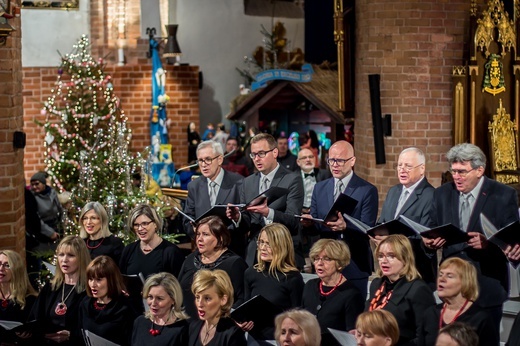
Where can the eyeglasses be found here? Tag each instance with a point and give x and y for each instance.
(338, 162)
(323, 259)
(260, 154)
(88, 219)
(461, 172)
(406, 168)
(260, 244)
(142, 224)
(207, 160)
(310, 157)
(5, 265)
(389, 256)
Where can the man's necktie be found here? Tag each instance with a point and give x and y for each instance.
(212, 193)
(339, 189)
(402, 201)
(465, 211)
(264, 186)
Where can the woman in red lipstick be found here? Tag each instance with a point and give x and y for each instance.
(399, 288)
(93, 228)
(458, 289)
(106, 312)
(275, 276)
(332, 298)
(165, 323)
(56, 308)
(212, 238)
(213, 298)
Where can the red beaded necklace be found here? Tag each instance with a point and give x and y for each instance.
(95, 246)
(325, 294)
(461, 310)
(99, 306)
(377, 297)
(5, 300)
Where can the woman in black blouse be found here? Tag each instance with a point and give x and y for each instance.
(334, 300)
(106, 312)
(150, 254)
(17, 294)
(212, 239)
(165, 323)
(458, 289)
(399, 288)
(94, 229)
(56, 308)
(214, 297)
(275, 276)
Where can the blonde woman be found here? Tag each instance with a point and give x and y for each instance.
(57, 305)
(17, 294)
(165, 323)
(297, 328)
(214, 297)
(377, 328)
(399, 288)
(275, 276)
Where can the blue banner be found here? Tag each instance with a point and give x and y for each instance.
(280, 74)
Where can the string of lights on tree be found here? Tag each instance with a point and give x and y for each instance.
(87, 141)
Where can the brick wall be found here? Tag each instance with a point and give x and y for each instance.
(413, 46)
(132, 84)
(12, 224)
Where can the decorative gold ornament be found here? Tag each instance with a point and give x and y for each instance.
(493, 82)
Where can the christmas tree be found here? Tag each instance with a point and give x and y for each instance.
(87, 141)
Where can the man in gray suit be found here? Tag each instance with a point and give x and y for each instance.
(413, 197)
(215, 186)
(264, 152)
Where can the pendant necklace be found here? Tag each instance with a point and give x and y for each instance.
(208, 330)
(61, 307)
(155, 332)
(5, 300)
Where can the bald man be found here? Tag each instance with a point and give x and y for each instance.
(341, 161)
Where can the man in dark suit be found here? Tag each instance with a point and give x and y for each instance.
(285, 158)
(461, 203)
(412, 198)
(215, 186)
(264, 153)
(341, 160)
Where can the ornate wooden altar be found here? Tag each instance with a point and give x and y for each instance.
(492, 73)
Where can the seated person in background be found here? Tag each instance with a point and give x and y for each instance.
(146, 181)
(285, 158)
(457, 334)
(458, 289)
(49, 207)
(106, 311)
(165, 323)
(18, 296)
(297, 328)
(377, 328)
(399, 288)
(236, 162)
(214, 297)
(94, 230)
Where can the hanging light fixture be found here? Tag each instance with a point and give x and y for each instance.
(172, 51)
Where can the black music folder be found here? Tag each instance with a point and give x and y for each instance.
(259, 310)
(217, 210)
(344, 204)
(504, 237)
(271, 194)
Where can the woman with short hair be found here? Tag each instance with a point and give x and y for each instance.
(332, 298)
(214, 297)
(106, 311)
(93, 228)
(399, 288)
(298, 328)
(212, 239)
(457, 288)
(377, 328)
(165, 323)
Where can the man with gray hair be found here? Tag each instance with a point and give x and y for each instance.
(412, 198)
(460, 203)
(215, 186)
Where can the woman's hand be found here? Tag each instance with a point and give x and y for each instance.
(246, 326)
(59, 337)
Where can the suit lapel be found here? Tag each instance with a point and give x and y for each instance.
(479, 206)
(205, 192)
(453, 209)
